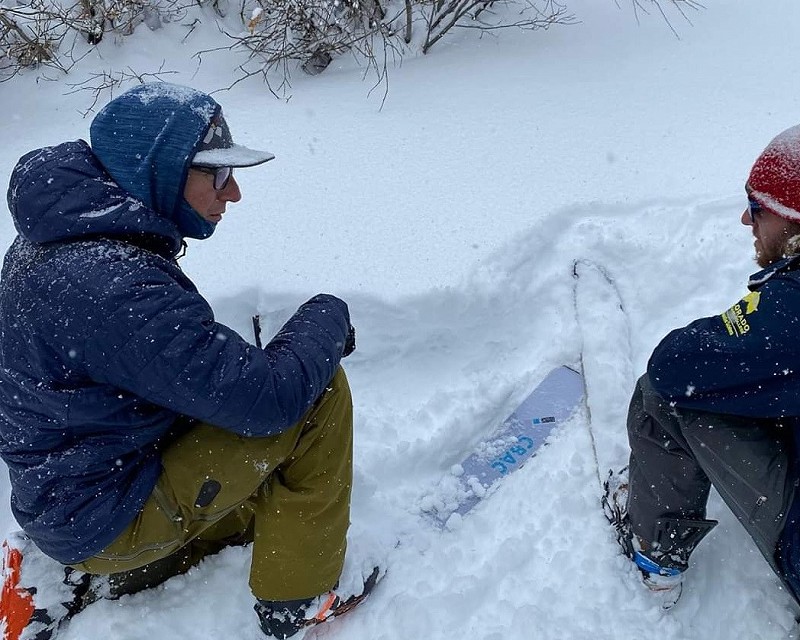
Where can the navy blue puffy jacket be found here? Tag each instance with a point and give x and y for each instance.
(105, 343)
(744, 361)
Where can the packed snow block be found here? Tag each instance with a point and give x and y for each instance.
(606, 362)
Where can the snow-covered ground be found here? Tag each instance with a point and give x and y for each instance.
(449, 220)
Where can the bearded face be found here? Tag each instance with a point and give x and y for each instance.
(775, 238)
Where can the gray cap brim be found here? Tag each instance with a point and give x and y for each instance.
(234, 156)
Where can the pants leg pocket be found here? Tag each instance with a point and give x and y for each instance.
(156, 532)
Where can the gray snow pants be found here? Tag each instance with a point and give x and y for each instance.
(676, 455)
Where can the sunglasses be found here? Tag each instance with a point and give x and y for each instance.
(222, 175)
(754, 209)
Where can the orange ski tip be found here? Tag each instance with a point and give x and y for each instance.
(16, 602)
(324, 610)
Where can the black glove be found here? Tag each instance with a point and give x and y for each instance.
(349, 342)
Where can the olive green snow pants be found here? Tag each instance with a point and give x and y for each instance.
(287, 494)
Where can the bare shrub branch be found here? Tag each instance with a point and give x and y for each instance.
(104, 84)
(44, 33)
(447, 14)
(680, 5)
(285, 34)
(276, 36)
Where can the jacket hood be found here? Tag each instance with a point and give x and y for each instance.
(146, 138)
(64, 193)
(790, 263)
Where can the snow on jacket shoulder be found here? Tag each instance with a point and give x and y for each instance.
(743, 361)
(105, 343)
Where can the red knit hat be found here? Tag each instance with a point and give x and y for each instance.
(775, 177)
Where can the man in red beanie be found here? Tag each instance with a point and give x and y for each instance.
(774, 188)
(720, 404)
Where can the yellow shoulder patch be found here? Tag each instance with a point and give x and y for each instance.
(751, 301)
(734, 318)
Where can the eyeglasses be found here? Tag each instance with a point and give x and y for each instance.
(754, 209)
(222, 175)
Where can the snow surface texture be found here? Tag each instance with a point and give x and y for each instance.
(449, 221)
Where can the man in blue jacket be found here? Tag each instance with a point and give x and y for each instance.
(139, 433)
(720, 405)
